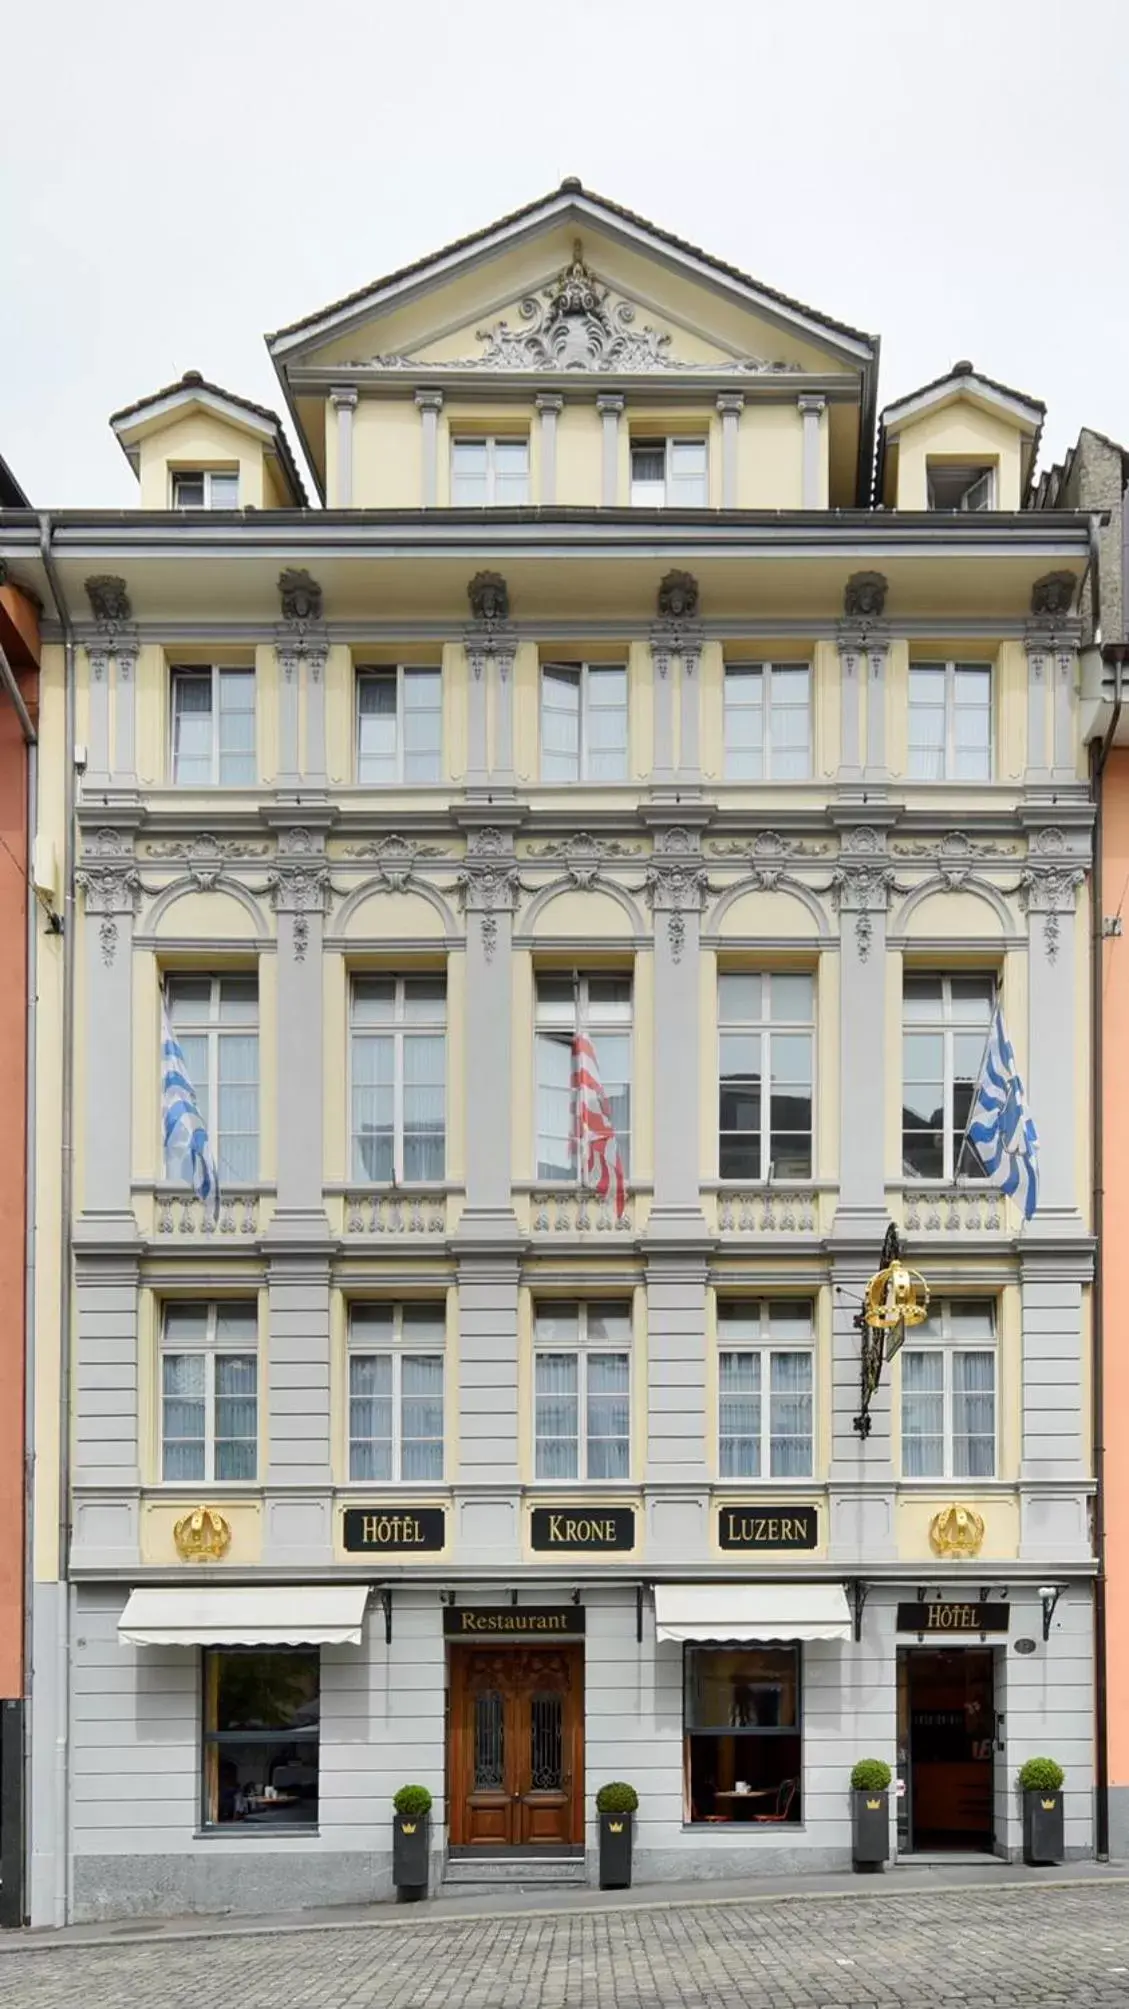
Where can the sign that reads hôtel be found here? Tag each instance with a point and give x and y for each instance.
(587, 1530)
(767, 1527)
(394, 1530)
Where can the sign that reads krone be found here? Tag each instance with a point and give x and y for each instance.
(587, 1530)
(952, 1619)
(767, 1527)
(394, 1530)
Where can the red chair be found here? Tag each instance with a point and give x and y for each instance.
(785, 1795)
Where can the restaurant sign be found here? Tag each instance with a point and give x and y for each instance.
(588, 1530)
(394, 1530)
(767, 1527)
(949, 1619)
(511, 1621)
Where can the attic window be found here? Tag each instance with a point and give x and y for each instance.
(961, 485)
(203, 488)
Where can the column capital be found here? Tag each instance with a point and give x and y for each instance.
(343, 397)
(610, 403)
(429, 401)
(731, 403)
(549, 401)
(811, 403)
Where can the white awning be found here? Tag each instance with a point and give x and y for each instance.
(728, 1613)
(246, 1615)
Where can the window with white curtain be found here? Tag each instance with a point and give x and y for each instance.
(950, 722)
(583, 722)
(209, 1391)
(491, 472)
(669, 473)
(948, 1387)
(205, 488)
(582, 1390)
(600, 1008)
(765, 1047)
(398, 1057)
(213, 727)
(767, 721)
(216, 1021)
(945, 1024)
(766, 1379)
(396, 1365)
(399, 725)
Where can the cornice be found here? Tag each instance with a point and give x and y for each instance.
(358, 633)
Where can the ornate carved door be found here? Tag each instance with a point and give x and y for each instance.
(517, 1758)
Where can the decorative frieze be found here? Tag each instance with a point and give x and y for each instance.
(1052, 891)
(110, 889)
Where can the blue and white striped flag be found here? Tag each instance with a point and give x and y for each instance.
(188, 1152)
(1004, 1134)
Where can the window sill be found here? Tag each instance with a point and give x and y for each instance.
(238, 1831)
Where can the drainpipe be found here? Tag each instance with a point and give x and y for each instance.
(8, 678)
(30, 1155)
(61, 1794)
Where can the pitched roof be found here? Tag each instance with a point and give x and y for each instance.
(572, 186)
(967, 372)
(192, 384)
(11, 494)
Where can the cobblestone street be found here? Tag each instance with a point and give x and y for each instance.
(997, 1949)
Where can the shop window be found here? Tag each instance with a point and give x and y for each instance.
(261, 1713)
(743, 1751)
(767, 721)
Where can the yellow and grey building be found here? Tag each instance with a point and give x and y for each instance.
(631, 675)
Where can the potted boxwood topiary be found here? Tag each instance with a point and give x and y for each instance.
(1040, 1781)
(411, 1841)
(616, 1805)
(870, 1813)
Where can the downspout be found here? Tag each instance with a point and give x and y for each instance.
(66, 1286)
(8, 678)
(30, 1156)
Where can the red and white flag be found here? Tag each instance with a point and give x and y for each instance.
(594, 1139)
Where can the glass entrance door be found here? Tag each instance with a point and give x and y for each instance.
(947, 1732)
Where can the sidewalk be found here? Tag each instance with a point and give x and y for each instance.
(901, 1881)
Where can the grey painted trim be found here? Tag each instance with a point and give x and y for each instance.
(730, 404)
(877, 656)
(662, 684)
(204, 945)
(1038, 684)
(289, 669)
(125, 710)
(430, 404)
(852, 659)
(358, 632)
(821, 944)
(811, 411)
(549, 404)
(610, 409)
(943, 944)
(98, 688)
(343, 398)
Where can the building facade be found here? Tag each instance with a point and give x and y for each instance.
(598, 700)
(19, 664)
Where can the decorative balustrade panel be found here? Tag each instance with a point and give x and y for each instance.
(383, 1213)
(959, 1211)
(772, 1212)
(569, 1211)
(179, 1214)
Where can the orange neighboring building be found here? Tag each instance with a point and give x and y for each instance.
(19, 679)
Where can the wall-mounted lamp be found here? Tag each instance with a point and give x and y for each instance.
(1049, 1594)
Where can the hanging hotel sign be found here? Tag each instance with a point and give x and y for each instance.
(767, 1527)
(587, 1530)
(394, 1530)
(511, 1621)
(952, 1619)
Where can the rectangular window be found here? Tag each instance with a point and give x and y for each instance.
(948, 1372)
(945, 1023)
(396, 1392)
(213, 728)
(583, 722)
(209, 1392)
(600, 1008)
(766, 1379)
(767, 721)
(669, 474)
(216, 1021)
(399, 725)
(260, 1745)
(489, 473)
(950, 722)
(399, 1079)
(766, 1039)
(743, 1755)
(582, 1383)
(959, 485)
(205, 488)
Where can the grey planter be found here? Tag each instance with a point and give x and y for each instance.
(870, 1829)
(615, 1851)
(1042, 1826)
(411, 1854)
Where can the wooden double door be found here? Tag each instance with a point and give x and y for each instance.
(517, 1746)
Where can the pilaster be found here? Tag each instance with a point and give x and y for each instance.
(97, 776)
(550, 406)
(490, 649)
(811, 412)
(610, 408)
(125, 713)
(677, 885)
(877, 655)
(730, 405)
(429, 404)
(488, 890)
(299, 887)
(1039, 651)
(1049, 887)
(302, 650)
(111, 885)
(116, 647)
(344, 402)
(852, 670)
(862, 886)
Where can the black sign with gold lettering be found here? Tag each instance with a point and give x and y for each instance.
(767, 1527)
(394, 1530)
(511, 1621)
(935, 1620)
(587, 1529)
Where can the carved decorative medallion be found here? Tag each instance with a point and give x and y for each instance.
(203, 1536)
(956, 1531)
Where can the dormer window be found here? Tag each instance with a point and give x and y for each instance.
(204, 488)
(669, 474)
(961, 485)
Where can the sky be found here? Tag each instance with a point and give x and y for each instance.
(174, 181)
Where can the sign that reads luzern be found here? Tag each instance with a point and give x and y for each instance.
(394, 1530)
(938, 1618)
(511, 1621)
(587, 1529)
(771, 1527)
